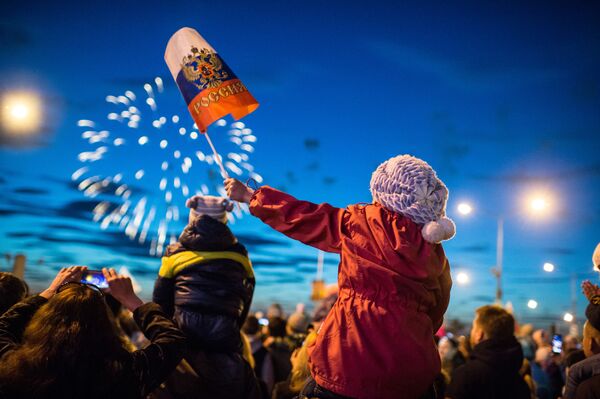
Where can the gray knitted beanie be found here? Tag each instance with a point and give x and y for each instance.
(215, 207)
(409, 186)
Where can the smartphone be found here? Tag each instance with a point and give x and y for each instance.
(263, 321)
(557, 343)
(94, 277)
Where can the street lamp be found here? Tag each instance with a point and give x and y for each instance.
(539, 202)
(568, 317)
(532, 304)
(462, 278)
(465, 208)
(548, 267)
(20, 112)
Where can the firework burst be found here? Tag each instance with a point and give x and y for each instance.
(141, 164)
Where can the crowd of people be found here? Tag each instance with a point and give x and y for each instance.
(372, 337)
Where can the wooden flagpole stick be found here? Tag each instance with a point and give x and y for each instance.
(224, 173)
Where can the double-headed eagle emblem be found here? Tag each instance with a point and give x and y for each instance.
(203, 68)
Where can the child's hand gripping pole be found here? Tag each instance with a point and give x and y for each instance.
(238, 191)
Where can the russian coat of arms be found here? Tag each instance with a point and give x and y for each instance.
(203, 68)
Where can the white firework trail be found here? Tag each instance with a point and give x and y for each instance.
(141, 164)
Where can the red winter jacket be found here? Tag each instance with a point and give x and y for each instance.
(377, 341)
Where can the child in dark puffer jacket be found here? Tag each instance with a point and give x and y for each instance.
(206, 283)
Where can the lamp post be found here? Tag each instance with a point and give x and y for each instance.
(462, 278)
(538, 204)
(466, 209)
(20, 112)
(499, 254)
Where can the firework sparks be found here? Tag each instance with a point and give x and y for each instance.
(141, 164)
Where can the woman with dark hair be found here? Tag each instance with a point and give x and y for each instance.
(12, 290)
(64, 343)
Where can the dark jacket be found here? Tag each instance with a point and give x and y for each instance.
(209, 375)
(580, 372)
(206, 283)
(491, 372)
(141, 371)
(589, 389)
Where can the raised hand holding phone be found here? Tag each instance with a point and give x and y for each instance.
(65, 275)
(95, 277)
(121, 288)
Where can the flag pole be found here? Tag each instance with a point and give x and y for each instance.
(224, 173)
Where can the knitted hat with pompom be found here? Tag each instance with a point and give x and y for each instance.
(209, 205)
(409, 186)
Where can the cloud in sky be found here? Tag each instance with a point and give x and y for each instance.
(13, 38)
(31, 191)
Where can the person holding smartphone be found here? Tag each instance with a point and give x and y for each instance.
(64, 343)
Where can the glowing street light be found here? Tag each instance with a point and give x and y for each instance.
(548, 267)
(464, 208)
(568, 317)
(462, 278)
(539, 203)
(20, 112)
(532, 304)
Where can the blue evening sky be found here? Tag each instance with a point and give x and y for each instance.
(500, 99)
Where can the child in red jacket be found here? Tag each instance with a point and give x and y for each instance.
(394, 279)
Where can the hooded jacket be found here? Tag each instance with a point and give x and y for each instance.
(377, 340)
(206, 283)
(492, 371)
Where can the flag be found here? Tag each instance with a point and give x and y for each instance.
(210, 88)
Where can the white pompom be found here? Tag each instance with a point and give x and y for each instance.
(433, 232)
(437, 231)
(449, 227)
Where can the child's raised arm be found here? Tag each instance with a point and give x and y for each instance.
(319, 226)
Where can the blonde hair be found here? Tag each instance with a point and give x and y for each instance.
(300, 371)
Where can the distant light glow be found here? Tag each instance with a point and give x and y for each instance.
(539, 203)
(21, 112)
(532, 304)
(464, 208)
(548, 267)
(568, 317)
(462, 278)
